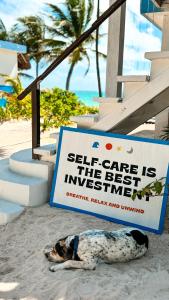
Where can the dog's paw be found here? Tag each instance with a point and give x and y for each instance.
(53, 268)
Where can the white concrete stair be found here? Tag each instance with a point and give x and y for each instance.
(132, 83)
(159, 62)
(9, 211)
(85, 121)
(21, 189)
(146, 103)
(107, 105)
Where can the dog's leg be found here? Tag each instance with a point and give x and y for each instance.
(73, 264)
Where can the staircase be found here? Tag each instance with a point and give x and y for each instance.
(24, 182)
(143, 98)
(27, 182)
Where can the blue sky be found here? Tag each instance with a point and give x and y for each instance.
(141, 36)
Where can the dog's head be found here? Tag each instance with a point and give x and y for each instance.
(60, 252)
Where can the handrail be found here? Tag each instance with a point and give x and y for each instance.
(72, 47)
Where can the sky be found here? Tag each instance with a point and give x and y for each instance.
(140, 37)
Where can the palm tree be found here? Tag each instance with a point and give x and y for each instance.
(30, 31)
(3, 31)
(69, 23)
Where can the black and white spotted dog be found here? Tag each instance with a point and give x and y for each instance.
(85, 250)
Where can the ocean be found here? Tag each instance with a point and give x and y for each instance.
(85, 96)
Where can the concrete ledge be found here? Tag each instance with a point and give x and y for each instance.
(9, 211)
(133, 78)
(157, 55)
(107, 100)
(45, 150)
(92, 118)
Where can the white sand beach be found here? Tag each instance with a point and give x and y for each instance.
(25, 275)
(24, 271)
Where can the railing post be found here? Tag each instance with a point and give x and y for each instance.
(35, 118)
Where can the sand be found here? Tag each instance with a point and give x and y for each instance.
(24, 271)
(17, 135)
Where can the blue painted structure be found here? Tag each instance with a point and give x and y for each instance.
(3, 102)
(147, 6)
(153, 13)
(6, 88)
(12, 46)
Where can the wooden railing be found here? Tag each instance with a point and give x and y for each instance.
(34, 87)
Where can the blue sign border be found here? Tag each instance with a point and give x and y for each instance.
(113, 135)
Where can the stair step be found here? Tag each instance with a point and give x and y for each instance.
(85, 121)
(157, 55)
(142, 106)
(21, 189)
(21, 162)
(9, 211)
(133, 78)
(107, 105)
(160, 62)
(48, 150)
(107, 100)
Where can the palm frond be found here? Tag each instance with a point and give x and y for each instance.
(25, 75)
(3, 31)
(59, 14)
(85, 54)
(89, 13)
(101, 54)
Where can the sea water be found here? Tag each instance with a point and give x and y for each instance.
(87, 97)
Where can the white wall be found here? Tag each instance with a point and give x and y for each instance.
(8, 64)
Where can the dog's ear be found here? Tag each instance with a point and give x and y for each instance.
(60, 248)
(70, 250)
(140, 238)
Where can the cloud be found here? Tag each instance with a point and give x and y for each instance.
(140, 36)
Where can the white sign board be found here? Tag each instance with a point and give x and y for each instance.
(97, 173)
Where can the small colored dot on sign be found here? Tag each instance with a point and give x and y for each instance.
(109, 146)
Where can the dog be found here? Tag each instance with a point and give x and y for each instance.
(86, 250)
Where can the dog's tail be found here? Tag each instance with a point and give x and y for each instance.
(140, 238)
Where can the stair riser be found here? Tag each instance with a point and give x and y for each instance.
(107, 108)
(5, 218)
(130, 88)
(158, 66)
(84, 125)
(145, 104)
(34, 170)
(29, 169)
(24, 194)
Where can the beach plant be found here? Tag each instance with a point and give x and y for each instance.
(155, 188)
(69, 22)
(165, 134)
(58, 105)
(15, 109)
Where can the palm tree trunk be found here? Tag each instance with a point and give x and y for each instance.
(37, 69)
(97, 53)
(69, 76)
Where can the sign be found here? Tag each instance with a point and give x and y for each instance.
(97, 173)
